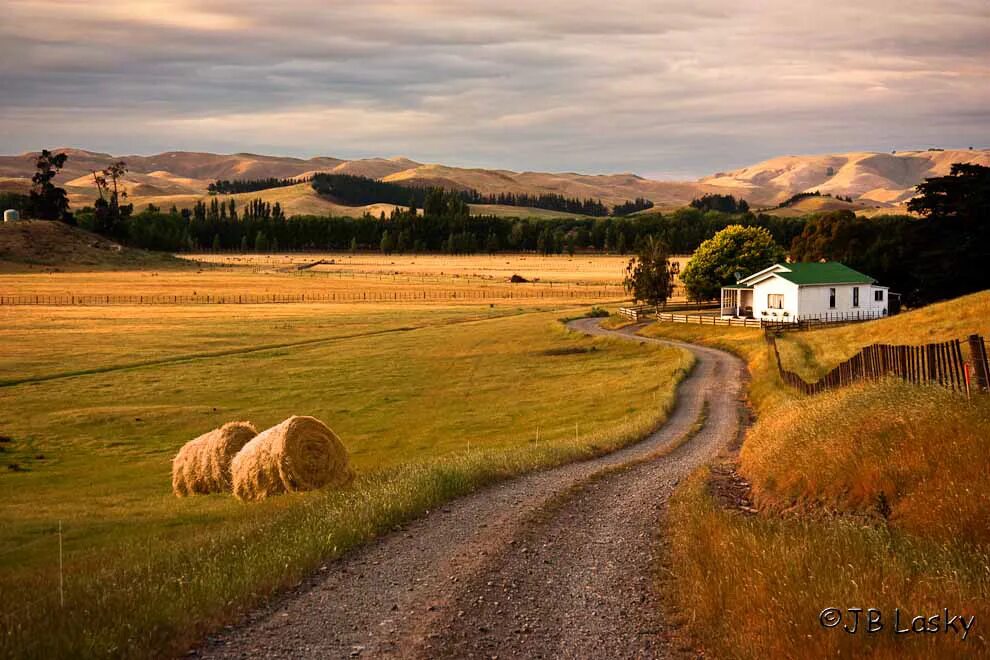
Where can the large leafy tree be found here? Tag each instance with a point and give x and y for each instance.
(732, 253)
(648, 276)
(47, 201)
(962, 196)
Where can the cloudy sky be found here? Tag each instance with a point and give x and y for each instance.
(664, 88)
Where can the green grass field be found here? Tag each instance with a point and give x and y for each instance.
(449, 399)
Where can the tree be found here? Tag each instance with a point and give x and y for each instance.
(721, 203)
(731, 254)
(649, 276)
(244, 243)
(387, 244)
(963, 196)
(620, 243)
(46, 200)
(492, 245)
(216, 242)
(260, 242)
(109, 213)
(354, 245)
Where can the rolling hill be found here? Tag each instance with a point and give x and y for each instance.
(875, 181)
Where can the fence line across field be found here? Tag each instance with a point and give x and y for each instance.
(287, 298)
(929, 364)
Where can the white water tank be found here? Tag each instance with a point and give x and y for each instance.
(11, 215)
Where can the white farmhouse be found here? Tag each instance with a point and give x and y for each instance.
(826, 291)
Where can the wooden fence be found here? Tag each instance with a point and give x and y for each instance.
(714, 319)
(285, 298)
(935, 364)
(638, 312)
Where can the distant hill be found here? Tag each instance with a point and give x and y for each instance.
(877, 179)
(43, 245)
(871, 179)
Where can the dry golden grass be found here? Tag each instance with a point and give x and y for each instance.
(813, 354)
(559, 269)
(753, 587)
(350, 278)
(921, 451)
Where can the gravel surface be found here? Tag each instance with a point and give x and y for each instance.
(556, 564)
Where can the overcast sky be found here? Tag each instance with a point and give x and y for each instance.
(667, 89)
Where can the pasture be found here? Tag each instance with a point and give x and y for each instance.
(339, 278)
(431, 400)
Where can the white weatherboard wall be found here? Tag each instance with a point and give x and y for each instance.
(775, 285)
(814, 299)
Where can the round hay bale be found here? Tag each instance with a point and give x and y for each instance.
(299, 454)
(202, 466)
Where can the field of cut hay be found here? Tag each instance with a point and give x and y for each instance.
(430, 401)
(247, 279)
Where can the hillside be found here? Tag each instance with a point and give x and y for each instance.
(887, 476)
(39, 244)
(873, 180)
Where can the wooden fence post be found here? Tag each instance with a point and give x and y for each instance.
(981, 370)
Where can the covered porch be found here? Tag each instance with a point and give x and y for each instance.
(737, 302)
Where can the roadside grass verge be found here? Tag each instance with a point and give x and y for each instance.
(917, 456)
(754, 586)
(869, 496)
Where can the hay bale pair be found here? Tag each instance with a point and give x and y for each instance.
(299, 454)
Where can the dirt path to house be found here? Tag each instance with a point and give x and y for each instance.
(555, 564)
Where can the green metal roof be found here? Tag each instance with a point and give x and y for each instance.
(830, 272)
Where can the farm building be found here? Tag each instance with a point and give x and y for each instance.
(806, 291)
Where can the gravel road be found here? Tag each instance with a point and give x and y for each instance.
(556, 564)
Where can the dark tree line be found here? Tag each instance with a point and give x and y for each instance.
(549, 201)
(720, 203)
(445, 225)
(361, 190)
(225, 187)
(628, 208)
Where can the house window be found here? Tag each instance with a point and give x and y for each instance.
(878, 295)
(831, 298)
(855, 296)
(775, 301)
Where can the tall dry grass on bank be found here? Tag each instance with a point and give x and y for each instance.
(813, 354)
(754, 586)
(918, 455)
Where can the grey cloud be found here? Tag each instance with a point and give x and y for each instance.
(635, 85)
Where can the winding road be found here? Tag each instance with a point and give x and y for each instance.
(555, 564)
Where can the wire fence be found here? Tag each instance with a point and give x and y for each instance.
(290, 298)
